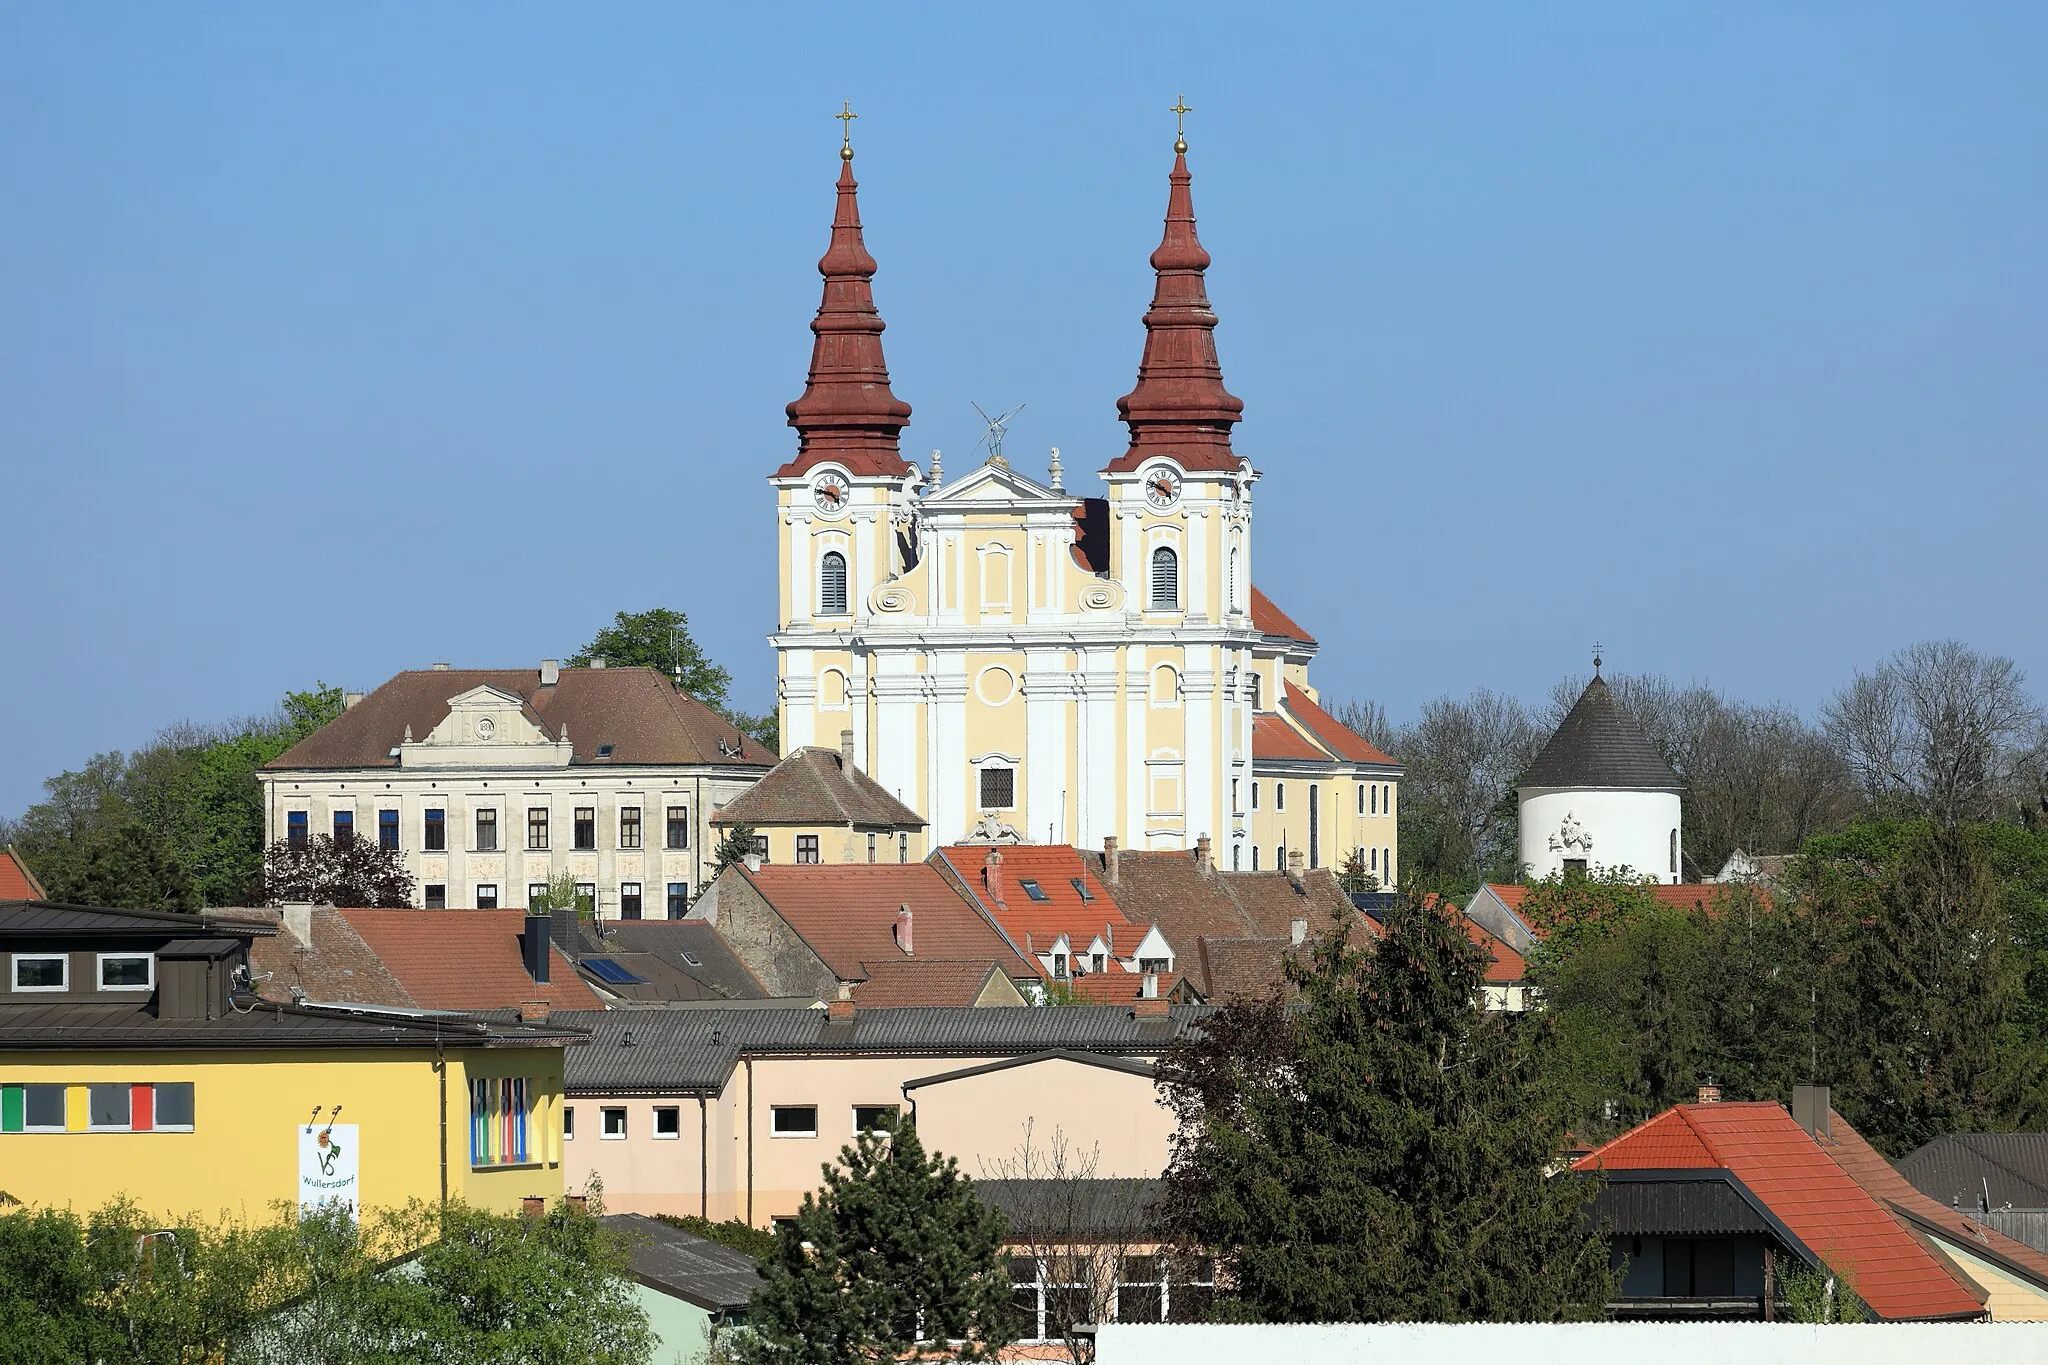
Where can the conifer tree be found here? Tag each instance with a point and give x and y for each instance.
(1379, 1150)
(896, 1255)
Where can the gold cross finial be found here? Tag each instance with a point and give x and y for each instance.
(1180, 111)
(846, 116)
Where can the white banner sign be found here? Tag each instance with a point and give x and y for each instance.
(328, 1165)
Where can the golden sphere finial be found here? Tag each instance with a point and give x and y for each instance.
(1180, 111)
(846, 151)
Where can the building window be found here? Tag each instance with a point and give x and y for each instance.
(1034, 890)
(295, 828)
(668, 1122)
(487, 831)
(1141, 1288)
(832, 584)
(902, 848)
(434, 831)
(1252, 687)
(1255, 857)
(586, 828)
(42, 971)
(629, 827)
(871, 847)
(614, 1124)
(586, 898)
(759, 846)
(1165, 579)
(127, 971)
(1192, 1289)
(1059, 966)
(387, 829)
(1387, 864)
(487, 896)
(998, 788)
(793, 1120)
(678, 899)
(1315, 828)
(868, 1117)
(1156, 965)
(1674, 855)
(1081, 889)
(344, 826)
(1050, 1294)
(537, 828)
(568, 1123)
(499, 1110)
(109, 1107)
(436, 895)
(1279, 796)
(678, 827)
(1099, 963)
(807, 848)
(629, 900)
(534, 892)
(1375, 798)
(1165, 686)
(36, 1108)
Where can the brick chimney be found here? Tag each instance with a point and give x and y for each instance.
(902, 930)
(1710, 1094)
(533, 1011)
(1109, 859)
(841, 1010)
(992, 876)
(1152, 1006)
(846, 748)
(1202, 854)
(1296, 862)
(533, 1206)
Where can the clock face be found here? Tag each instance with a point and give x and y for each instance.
(1162, 488)
(829, 492)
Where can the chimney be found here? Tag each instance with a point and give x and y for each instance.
(598, 662)
(533, 1011)
(1296, 860)
(1810, 1105)
(1298, 932)
(562, 929)
(550, 672)
(1710, 1094)
(753, 862)
(846, 748)
(532, 1206)
(1149, 1007)
(580, 1203)
(1148, 987)
(441, 667)
(902, 929)
(842, 1009)
(298, 921)
(1109, 859)
(533, 946)
(351, 700)
(1202, 854)
(992, 875)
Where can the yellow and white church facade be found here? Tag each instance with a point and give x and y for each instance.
(1017, 660)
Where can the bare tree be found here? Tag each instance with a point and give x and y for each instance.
(1457, 809)
(1367, 720)
(1939, 729)
(1082, 1242)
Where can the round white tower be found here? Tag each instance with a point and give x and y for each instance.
(1599, 795)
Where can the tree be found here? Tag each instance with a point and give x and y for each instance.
(1367, 720)
(1357, 878)
(1378, 1153)
(894, 1254)
(658, 639)
(1457, 813)
(1941, 730)
(561, 894)
(733, 848)
(335, 870)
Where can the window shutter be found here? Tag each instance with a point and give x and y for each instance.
(832, 584)
(1165, 579)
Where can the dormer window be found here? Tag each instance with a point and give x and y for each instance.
(1101, 963)
(1059, 966)
(1155, 965)
(42, 971)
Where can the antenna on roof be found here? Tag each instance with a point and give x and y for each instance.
(997, 426)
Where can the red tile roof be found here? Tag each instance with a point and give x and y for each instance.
(1118, 987)
(17, 883)
(1273, 737)
(337, 968)
(1035, 925)
(1268, 619)
(847, 913)
(910, 982)
(1782, 1165)
(466, 959)
(1679, 896)
(1505, 966)
(1336, 736)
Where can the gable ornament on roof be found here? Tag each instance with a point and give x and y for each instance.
(1571, 836)
(990, 830)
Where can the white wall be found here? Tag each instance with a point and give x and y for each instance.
(1629, 829)
(1592, 1343)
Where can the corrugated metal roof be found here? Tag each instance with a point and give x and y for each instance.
(89, 1027)
(18, 918)
(1955, 1170)
(683, 1266)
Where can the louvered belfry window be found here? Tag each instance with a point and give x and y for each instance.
(832, 584)
(1165, 579)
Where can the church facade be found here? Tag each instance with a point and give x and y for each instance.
(1017, 660)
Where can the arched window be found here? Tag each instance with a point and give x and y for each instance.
(832, 584)
(1230, 583)
(832, 690)
(1674, 846)
(1165, 686)
(1252, 688)
(1165, 579)
(1255, 857)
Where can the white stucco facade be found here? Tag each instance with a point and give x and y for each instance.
(1600, 828)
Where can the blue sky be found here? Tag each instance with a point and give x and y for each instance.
(339, 340)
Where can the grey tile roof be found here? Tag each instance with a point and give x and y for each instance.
(677, 959)
(1051, 1210)
(1599, 744)
(84, 1027)
(43, 917)
(1956, 1168)
(689, 1051)
(683, 1266)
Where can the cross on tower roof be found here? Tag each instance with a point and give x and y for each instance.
(1180, 109)
(1597, 652)
(846, 116)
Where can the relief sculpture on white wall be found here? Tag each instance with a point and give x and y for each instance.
(1571, 837)
(990, 830)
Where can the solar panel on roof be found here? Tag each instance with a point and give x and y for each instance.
(610, 972)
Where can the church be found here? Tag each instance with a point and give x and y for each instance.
(1016, 660)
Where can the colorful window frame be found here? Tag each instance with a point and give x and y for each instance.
(97, 1107)
(500, 1121)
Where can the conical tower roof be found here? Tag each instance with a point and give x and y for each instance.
(1599, 744)
(848, 415)
(1180, 407)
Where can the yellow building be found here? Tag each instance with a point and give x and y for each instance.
(1017, 660)
(133, 1061)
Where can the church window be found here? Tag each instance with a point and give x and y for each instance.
(832, 689)
(1279, 796)
(995, 578)
(807, 848)
(1235, 808)
(1252, 689)
(1374, 861)
(1165, 579)
(1674, 855)
(1165, 686)
(537, 828)
(629, 900)
(678, 827)
(1315, 841)
(1230, 584)
(487, 830)
(1255, 857)
(1255, 795)
(434, 831)
(1234, 851)
(629, 827)
(998, 788)
(586, 828)
(832, 584)
(1387, 864)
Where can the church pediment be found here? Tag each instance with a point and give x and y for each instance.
(995, 482)
(485, 727)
